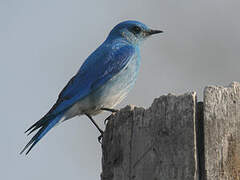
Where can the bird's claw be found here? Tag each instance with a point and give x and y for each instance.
(110, 110)
(107, 119)
(100, 138)
(114, 110)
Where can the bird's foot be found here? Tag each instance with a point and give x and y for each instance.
(100, 137)
(110, 110)
(107, 119)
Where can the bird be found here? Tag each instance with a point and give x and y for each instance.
(103, 81)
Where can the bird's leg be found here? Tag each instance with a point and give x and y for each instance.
(109, 109)
(107, 119)
(95, 124)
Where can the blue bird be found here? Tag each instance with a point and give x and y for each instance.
(102, 82)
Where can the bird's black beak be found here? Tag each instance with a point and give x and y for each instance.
(151, 32)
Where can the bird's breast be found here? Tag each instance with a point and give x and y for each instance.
(113, 91)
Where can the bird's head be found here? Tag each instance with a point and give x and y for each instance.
(132, 31)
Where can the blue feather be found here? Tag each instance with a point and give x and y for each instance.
(93, 74)
(103, 80)
(99, 67)
(44, 128)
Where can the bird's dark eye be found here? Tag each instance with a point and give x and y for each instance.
(136, 29)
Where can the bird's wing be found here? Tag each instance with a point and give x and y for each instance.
(99, 67)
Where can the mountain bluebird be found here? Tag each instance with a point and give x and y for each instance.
(102, 82)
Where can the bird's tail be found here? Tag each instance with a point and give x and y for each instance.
(45, 124)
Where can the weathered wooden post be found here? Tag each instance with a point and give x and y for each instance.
(176, 138)
(222, 132)
(158, 143)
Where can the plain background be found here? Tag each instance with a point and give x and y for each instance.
(44, 42)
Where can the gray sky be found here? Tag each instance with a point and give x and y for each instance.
(43, 43)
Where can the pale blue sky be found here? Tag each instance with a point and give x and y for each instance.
(43, 43)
